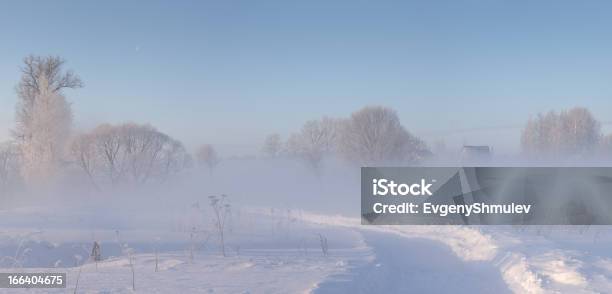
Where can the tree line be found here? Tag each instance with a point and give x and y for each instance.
(573, 133)
(372, 135)
(44, 145)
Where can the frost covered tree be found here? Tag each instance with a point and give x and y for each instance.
(207, 157)
(43, 116)
(128, 153)
(374, 135)
(315, 140)
(272, 146)
(581, 131)
(572, 132)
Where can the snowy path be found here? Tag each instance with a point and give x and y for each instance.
(465, 249)
(515, 259)
(406, 265)
(278, 251)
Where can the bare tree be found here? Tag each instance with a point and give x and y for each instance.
(315, 140)
(128, 153)
(329, 127)
(143, 148)
(43, 117)
(542, 134)
(207, 156)
(272, 146)
(174, 158)
(581, 131)
(573, 132)
(85, 153)
(108, 143)
(375, 135)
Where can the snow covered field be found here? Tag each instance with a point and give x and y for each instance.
(269, 252)
(255, 271)
(279, 251)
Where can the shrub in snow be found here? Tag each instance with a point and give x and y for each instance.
(221, 213)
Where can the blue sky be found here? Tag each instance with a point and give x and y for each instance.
(230, 72)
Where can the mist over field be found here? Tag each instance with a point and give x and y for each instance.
(217, 146)
(125, 207)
